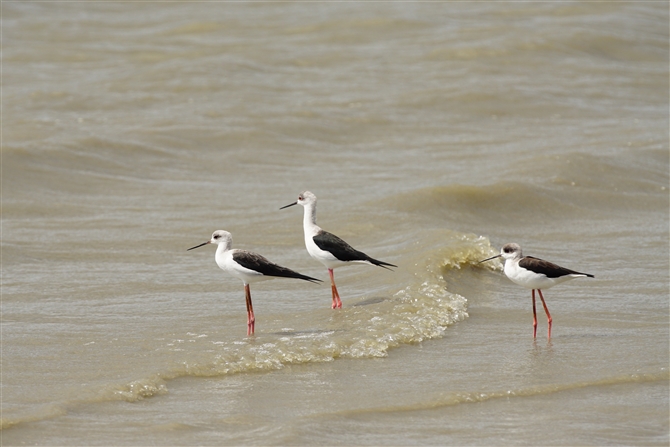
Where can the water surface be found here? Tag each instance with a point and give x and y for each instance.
(432, 133)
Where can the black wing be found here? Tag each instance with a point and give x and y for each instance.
(344, 252)
(260, 264)
(547, 268)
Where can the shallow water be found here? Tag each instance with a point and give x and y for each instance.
(431, 133)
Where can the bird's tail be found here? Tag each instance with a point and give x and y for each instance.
(308, 278)
(288, 273)
(382, 264)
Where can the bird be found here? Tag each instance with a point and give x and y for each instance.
(534, 274)
(249, 267)
(327, 248)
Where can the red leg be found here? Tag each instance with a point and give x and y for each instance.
(251, 320)
(534, 316)
(546, 310)
(337, 302)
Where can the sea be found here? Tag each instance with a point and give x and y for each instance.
(432, 134)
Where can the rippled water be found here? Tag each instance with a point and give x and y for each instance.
(431, 133)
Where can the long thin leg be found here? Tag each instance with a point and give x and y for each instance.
(337, 302)
(251, 320)
(534, 316)
(546, 310)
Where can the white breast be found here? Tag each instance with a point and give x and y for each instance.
(527, 278)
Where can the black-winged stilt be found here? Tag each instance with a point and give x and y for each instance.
(327, 248)
(249, 267)
(534, 274)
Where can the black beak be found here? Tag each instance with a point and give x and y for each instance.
(198, 246)
(290, 204)
(488, 259)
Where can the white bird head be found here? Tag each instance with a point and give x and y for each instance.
(508, 251)
(218, 237)
(304, 198)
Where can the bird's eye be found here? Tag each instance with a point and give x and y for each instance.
(507, 250)
(216, 236)
(300, 198)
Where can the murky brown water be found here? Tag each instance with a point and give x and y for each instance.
(431, 133)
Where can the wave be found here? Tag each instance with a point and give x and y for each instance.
(458, 398)
(422, 309)
(554, 188)
(470, 206)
